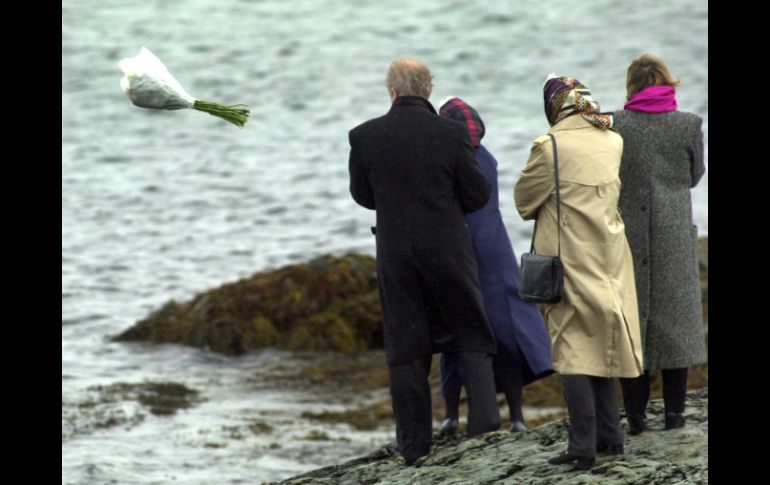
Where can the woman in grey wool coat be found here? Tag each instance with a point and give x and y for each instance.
(662, 160)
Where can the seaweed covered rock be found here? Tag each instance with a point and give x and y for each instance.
(108, 406)
(703, 259)
(330, 303)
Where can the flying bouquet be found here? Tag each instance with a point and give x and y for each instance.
(148, 84)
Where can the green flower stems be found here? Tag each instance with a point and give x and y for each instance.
(233, 114)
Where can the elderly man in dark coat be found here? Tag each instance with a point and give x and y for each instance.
(418, 172)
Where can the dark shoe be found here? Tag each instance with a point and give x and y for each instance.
(416, 460)
(585, 463)
(581, 462)
(564, 457)
(674, 420)
(517, 426)
(411, 460)
(636, 424)
(608, 449)
(449, 426)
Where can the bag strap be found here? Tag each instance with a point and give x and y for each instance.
(558, 199)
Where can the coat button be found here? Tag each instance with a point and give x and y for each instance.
(644, 208)
(602, 190)
(644, 261)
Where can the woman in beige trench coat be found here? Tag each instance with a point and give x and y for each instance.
(594, 329)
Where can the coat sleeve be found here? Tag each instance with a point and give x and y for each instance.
(359, 183)
(471, 183)
(535, 184)
(697, 167)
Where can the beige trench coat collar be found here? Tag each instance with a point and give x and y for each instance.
(574, 122)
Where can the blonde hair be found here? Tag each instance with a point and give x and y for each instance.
(409, 78)
(645, 71)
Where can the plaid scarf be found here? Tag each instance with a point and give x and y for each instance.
(566, 96)
(459, 110)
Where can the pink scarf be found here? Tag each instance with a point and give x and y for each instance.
(654, 99)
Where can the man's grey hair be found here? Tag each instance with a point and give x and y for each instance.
(409, 78)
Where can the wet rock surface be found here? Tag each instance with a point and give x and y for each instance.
(655, 457)
(125, 404)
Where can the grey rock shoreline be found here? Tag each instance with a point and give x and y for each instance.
(655, 457)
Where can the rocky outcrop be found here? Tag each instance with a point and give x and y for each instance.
(655, 457)
(703, 258)
(330, 303)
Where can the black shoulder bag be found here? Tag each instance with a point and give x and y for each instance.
(542, 277)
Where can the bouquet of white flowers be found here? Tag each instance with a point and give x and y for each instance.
(148, 84)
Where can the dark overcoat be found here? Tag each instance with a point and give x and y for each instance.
(514, 321)
(418, 172)
(662, 160)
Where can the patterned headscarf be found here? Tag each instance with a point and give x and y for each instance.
(459, 110)
(566, 96)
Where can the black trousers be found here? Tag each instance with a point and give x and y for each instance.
(410, 391)
(594, 418)
(636, 391)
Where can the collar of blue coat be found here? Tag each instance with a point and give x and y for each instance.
(414, 101)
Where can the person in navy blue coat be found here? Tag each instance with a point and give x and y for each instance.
(523, 344)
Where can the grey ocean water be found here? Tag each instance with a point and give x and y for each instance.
(161, 205)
